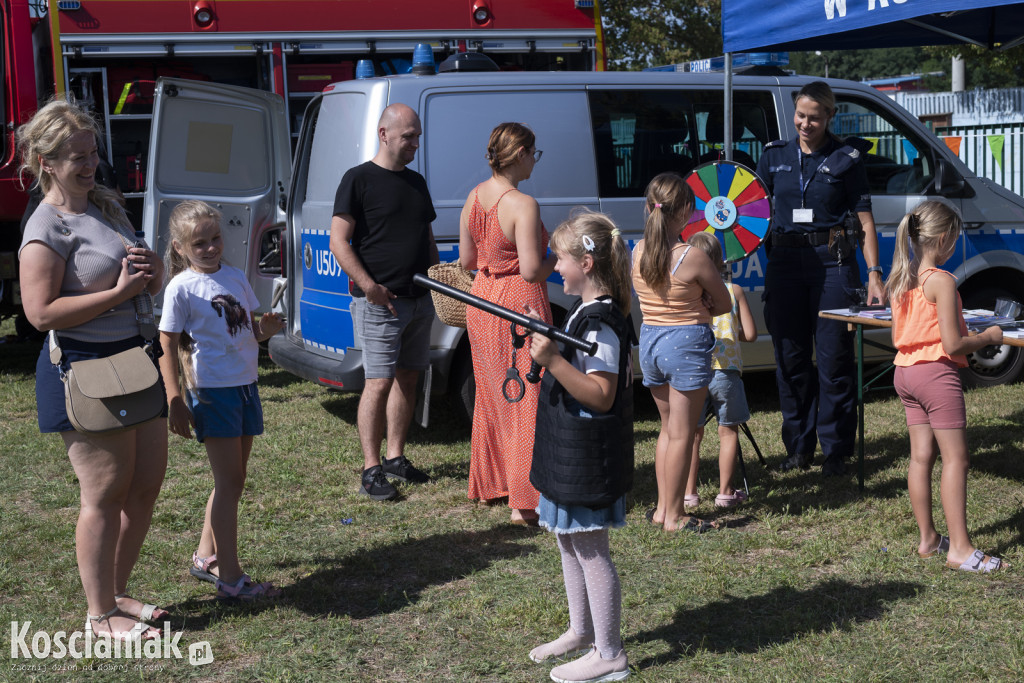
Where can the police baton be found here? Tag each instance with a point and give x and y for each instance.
(532, 324)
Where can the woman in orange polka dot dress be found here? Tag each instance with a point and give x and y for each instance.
(501, 237)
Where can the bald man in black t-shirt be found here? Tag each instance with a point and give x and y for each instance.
(381, 237)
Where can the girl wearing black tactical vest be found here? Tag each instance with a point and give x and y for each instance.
(583, 452)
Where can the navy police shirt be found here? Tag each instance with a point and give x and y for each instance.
(834, 177)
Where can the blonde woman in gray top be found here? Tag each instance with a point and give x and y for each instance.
(78, 277)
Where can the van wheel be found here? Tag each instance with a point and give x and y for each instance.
(463, 387)
(992, 365)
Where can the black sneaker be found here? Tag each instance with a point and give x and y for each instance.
(834, 466)
(376, 485)
(401, 469)
(795, 461)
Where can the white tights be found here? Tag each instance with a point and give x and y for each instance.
(593, 589)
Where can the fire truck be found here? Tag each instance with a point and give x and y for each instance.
(109, 54)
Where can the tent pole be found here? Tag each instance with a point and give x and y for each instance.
(727, 133)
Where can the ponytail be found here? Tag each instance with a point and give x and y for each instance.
(933, 225)
(668, 198)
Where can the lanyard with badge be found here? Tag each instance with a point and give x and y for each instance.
(804, 215)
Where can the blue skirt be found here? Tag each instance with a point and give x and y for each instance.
(568, 519)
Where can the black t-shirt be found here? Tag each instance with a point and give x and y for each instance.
(392, 212)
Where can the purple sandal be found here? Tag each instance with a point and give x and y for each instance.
(245, 590)
(201, 568)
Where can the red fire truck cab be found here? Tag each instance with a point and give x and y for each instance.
(109, 54)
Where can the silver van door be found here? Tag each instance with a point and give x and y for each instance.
(901, 163)
(228, 146)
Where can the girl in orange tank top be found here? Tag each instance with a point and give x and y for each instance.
(932, 340)
(679, 290)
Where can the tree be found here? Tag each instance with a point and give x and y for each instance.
(639, 35)
(985, 68)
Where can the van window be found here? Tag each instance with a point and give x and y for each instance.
(899, 162)
(344, 144)
(212, 144)
(457, 126)
(641, 133)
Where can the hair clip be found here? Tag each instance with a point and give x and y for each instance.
(588, 243)
(912, 225)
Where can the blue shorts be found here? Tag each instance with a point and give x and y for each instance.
(727, 398)
(226, 412)
(390, 342)
(50, 407)
(677, 355)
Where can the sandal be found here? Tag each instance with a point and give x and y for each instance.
(201, 568)
(649, 515)
(726, 500)
(691, 500)
(978, 562)
(245, 590)
(697, 526)
(139, 630)
(147, 613)
(524, 520)
(942, 547)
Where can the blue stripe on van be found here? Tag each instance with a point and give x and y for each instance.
(324, 305)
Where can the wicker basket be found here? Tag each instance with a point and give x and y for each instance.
(450, 311)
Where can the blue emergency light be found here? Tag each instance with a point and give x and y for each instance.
(715, 64)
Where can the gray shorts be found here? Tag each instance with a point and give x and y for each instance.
(727, 398)
(390, 342)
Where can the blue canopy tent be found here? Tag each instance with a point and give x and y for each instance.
(776, 25)
(850, 24)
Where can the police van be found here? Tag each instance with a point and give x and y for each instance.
(604, 136)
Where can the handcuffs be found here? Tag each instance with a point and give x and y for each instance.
(512, 375)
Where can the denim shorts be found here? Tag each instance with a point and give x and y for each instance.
(226, 412)
(390, 342)
(50, 407)
(727, 398)
(677, 355)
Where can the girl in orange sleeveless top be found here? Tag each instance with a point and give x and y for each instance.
(931, 337)
(679, 290)
(501, 237)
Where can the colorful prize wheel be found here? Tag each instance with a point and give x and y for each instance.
(733, 204)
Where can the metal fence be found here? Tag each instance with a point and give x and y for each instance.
(993, 151)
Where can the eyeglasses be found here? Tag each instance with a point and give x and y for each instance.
(537, 154)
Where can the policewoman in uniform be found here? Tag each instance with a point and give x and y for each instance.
(817, 181)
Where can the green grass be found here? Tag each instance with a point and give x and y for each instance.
(811, 579)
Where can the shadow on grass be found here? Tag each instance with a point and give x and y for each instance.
(792, 493)
(19, 357)
(388, 578)
(776, 617)
(379, 580)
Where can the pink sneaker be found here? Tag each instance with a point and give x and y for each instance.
(724, 500)
(691, 500)
(591, 668)
(566, 645)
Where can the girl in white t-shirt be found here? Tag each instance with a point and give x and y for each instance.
(583, 454)
(208, 330)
